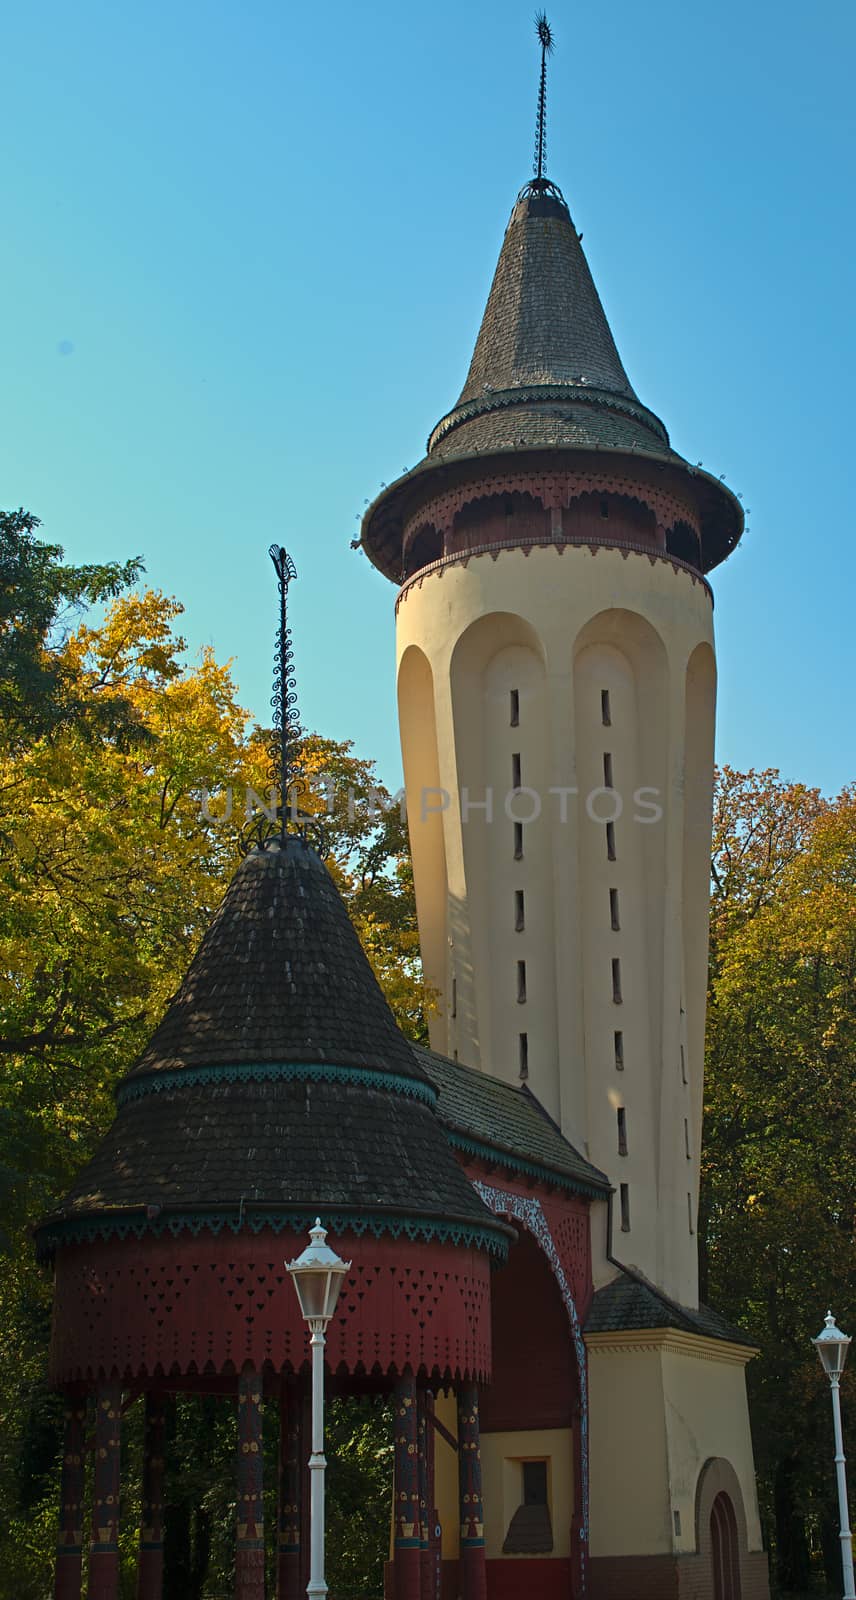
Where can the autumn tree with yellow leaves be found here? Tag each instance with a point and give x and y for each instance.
(778, 1175)
(115, 850)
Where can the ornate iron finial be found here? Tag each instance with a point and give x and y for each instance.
(287, 775)
(545, 35)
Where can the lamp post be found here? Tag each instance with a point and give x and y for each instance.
(317, 1276)
(832, 1346)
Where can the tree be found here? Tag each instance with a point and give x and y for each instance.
(778, 1186)
(111, 866)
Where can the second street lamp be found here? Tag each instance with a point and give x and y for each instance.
(832, 1346)
(317, 1276)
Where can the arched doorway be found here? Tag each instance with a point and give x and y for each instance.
(725, 1554)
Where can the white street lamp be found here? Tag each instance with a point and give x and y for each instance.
(317, 1276)
(832, 1346)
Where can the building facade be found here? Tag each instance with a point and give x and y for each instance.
(557, 682)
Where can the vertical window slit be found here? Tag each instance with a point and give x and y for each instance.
(516, 779)
(618, 1045)
(519, 911)
(616, 980)
(614, 918)
(683, 1065)
(687, 1139)
(521, 983)
(607, 770)
(690, 1212)
(621, 1115)
(605, 717)
(524, 1054)
(518, 841)
(454, 1007)
(624, 1196)
(610, 841)
(515, 708)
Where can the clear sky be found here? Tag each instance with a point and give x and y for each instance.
(247, 249)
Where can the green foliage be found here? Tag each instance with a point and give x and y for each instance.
(778, 1183)
(110, 870)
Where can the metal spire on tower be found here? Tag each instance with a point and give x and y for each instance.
(545, 34)
(287, 774)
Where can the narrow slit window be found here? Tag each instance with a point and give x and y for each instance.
(610, 841)
(518, 841)
(523, 1046)
(621, 1115)
(519, 911)
(616, 980)
(521, 983)
(605, 717)
(677, 1516)
(683, 1065)
(690, 1213)
(614, 918)
(516, 779)
(454, 1007)
(624, 1197)
(687, 1149)
(607, 770)
(515, 708)
(618, 1045)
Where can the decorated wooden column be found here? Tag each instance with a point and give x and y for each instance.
(424, 1511)
(104, 1547)
(150, 1567)
(472, 1581)
(250, 1547)
(69, 1545)
(288, 1583)
(435, 1550)
(407, 1534)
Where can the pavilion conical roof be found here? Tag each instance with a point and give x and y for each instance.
(278, 1084)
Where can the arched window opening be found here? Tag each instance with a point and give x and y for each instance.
(682, 541)
(425, 546)
(725, 1555)
(607, 517)
(495, 518)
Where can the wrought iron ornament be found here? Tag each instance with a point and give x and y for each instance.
(545, 35)
(287, 774)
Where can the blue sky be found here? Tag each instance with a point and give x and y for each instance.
(248, 248)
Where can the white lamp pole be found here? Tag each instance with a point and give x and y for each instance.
(832, 1346)
(317, 1276)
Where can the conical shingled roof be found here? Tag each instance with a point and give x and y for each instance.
(546, 386)
(279, 977)
(544, 341)
(277, 1084)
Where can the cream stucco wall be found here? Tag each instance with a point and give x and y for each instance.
(560, 629)
(502, 1456)
(661, 1405)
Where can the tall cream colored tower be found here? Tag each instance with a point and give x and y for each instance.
(556, 688)
(557, 683)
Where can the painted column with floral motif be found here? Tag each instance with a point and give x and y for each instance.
(424, 1508)
(288, 1579)
(150, 1565)
(407, 1529)
(250, 1547)
(104, 1546)
(472, 1576)
(69, 1545)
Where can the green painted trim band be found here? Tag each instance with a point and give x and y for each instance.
(283, 1072)
(502, 1158)
(89, 1229)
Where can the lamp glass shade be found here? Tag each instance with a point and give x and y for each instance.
(832, 1346)
(317, 1276)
